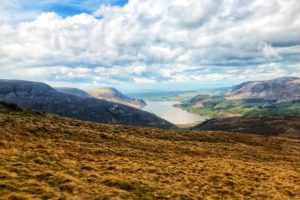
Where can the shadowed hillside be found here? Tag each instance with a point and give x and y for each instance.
(43, 156)
(74, 91)
(42, 97)
(265, 125)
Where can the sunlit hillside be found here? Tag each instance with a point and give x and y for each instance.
(44, 156)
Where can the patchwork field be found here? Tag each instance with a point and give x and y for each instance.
(49, 157)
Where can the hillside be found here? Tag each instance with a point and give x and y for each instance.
(42, 97)
(291, 108)
(282, 89)
(74, 91)
(198, 100)
(265, 125)
(44, 156)
(113, 95)
(221, 107)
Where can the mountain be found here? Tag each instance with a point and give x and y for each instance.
(282, 89)
(44, 156)
(113, 95)
(74, 91)
(265, 125)
(42, 97)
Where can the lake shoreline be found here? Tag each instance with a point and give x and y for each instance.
(169, 111)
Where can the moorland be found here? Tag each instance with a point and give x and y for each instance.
(45, 156)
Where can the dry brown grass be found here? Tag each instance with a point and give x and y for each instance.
(49, 157)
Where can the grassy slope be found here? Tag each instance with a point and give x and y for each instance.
(49, 157)
(217, 106)
(278, 110)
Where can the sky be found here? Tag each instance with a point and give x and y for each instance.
(139, 45)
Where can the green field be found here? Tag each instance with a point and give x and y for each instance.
(219, 106)
(291, 108)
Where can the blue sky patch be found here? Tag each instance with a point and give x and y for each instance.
(68, 7)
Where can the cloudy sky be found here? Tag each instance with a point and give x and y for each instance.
(149, 44)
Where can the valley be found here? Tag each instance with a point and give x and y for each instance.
(149, 100)
(64, 143)
(276, 97)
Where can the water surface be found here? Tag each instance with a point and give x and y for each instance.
(167, 111)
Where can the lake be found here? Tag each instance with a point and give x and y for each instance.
(167, 111)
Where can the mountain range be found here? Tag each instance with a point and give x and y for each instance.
(277, 97)
(42, 97)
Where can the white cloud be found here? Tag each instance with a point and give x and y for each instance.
(269, 52)
(144, 80)
(149, 41)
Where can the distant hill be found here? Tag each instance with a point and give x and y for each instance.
(178, 95)
(113, 95)
(265, 125)
(282, 89)
(198, 100)
(74, 91)
(42, 97)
